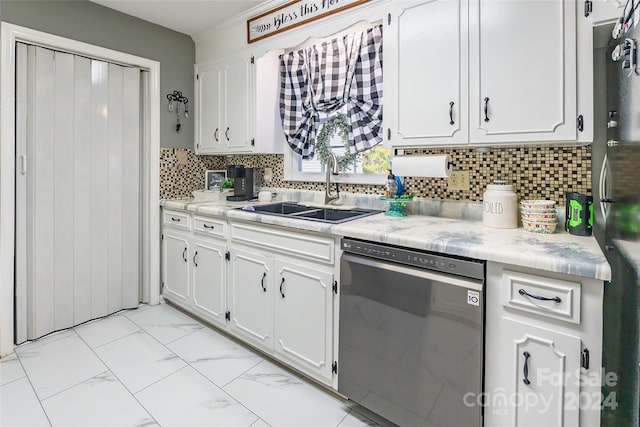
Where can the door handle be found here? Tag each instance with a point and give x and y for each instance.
(451, 122)
(184, 254)
(281, 284)
(215, 135)
(194, 259)
(525, 293)
(264, 288)
(526, 368)
(226, 133)
(486, 109)
(23, 164)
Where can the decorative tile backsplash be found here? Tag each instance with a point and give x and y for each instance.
(535, 172)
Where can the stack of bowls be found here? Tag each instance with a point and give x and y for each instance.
(539, 216)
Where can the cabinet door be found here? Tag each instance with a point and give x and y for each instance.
(426, 73)
(209, 92)
(209, 279)
(549, 361)
(304, 318)
(176, 267)
(523, 70)
(237, 111)
(607, 10)
(251, 297)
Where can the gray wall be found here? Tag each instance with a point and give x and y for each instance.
(91, 23)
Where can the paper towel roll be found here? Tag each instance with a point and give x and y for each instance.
(428, 166)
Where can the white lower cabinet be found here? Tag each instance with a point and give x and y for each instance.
(175, 263)
(282, 295)
(209, 275)
(194, 270)
(251, 297)
(545, 363)
(304, 317)
(542, 349)
(275, 289)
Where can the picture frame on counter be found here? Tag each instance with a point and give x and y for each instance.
(213, 179)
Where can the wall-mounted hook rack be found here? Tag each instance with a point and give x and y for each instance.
(178, 99)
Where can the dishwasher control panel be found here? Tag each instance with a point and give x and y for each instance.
(416, 258)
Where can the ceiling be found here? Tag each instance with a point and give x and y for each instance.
(185, 16)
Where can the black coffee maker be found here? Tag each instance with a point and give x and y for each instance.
(243, 185)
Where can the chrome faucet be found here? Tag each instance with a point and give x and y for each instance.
(332, 169)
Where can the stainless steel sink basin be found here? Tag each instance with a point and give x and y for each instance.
(322, 214)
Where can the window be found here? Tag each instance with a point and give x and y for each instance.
(360, 94)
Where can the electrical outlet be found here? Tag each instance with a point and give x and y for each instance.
(182, 157)
(267, 175)
(459, 180)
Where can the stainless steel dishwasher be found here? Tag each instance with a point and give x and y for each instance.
(411, 334)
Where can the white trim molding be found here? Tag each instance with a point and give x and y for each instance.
(150, 259)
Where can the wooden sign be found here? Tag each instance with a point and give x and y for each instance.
(294, 14)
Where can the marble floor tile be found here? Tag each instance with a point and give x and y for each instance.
(260, 423)
(188, 398)
(165, 323)
(104, 331)
(354, 419)
(138, 360)
(272, 393)
(215, 356)
(19, 405)
(30, 345)
(99, 401)
(60, 364)
(10, 369)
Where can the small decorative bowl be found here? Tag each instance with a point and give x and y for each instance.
(539, 227)
(537, 204)
(539, 216)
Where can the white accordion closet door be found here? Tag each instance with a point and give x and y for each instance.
(77, 190)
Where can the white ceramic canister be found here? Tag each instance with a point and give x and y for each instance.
(500, 206)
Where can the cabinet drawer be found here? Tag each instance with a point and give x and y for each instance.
(210, 226)
(177, 219)
(558, 299)
(302, 245)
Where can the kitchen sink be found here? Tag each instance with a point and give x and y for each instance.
(309, 213)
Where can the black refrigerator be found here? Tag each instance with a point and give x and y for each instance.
(616, 190)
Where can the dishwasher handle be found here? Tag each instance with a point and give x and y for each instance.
(413, 271)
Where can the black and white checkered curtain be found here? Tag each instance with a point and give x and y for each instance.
(324, 78)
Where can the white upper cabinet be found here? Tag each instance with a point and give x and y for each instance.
(237, 135)
(487, 72)
(209, 81)
(426, 73)
(605, 11)
(237, 105)
(523, 79)
(223, 108)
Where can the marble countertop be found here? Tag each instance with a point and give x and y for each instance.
(559, 252)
